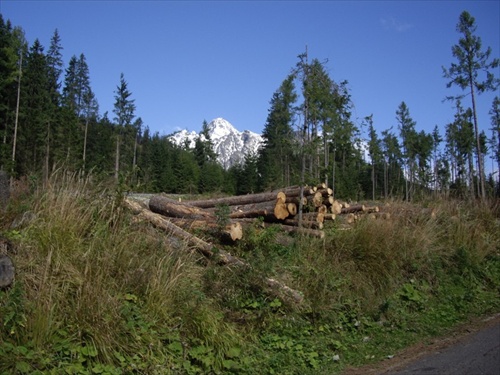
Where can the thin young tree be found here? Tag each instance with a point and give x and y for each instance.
(124, 110)
(465, 73)
(408, 136)
(495, 122)
(436, 140)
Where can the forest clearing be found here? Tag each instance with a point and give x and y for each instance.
(98, 289)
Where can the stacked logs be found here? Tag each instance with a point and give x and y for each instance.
(282, 207)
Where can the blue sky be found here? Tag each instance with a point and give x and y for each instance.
(189, 61)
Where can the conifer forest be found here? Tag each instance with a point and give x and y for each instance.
(50, 118)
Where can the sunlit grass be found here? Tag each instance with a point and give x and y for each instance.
(96, 289)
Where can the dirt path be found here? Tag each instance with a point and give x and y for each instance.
(471, 349)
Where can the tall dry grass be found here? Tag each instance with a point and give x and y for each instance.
(363, 266)
(92, 275)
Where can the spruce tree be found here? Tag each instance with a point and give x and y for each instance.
(12, 51)
(465, 73)
(55, 62)
(36, 107)
(393, 163)
(408, 134)
(276, 155)
(124, 110)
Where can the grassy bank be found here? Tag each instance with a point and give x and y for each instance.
(98, 292)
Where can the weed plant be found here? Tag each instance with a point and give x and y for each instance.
(98, 292)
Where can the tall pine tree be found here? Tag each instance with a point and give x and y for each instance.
(471, 61)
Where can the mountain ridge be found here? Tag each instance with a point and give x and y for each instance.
(230, 144)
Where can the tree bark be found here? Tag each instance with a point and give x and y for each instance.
(172, 208)
(232, 230)
(238, 200)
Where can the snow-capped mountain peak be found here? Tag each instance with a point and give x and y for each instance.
(230, 144)
(220, 128)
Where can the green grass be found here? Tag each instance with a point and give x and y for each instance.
(98, 292)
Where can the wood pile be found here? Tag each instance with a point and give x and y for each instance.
(284, 207)
(228, 216)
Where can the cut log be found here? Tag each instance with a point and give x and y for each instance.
(352, 209)
(336, 208)
(326, 192)
(239, 200)
(317, 199)
(207, 249)
(313, 216)
(294, 191)
(233, 230)
(292, 208)
(171, 208)
(281, 197)
(322, 209)
(263, 209)
(328, 216)
(328, 201)
(281, 210)
(296, 200)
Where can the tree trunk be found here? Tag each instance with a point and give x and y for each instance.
(16, 121)
(233, 230)
(85, 142)
(117, 157)
(239, 200)
(482, 193)
(172, 208)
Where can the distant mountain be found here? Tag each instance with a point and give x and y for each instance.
(230, 144)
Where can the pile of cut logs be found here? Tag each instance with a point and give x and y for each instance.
(276, 207)
(282, 207)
